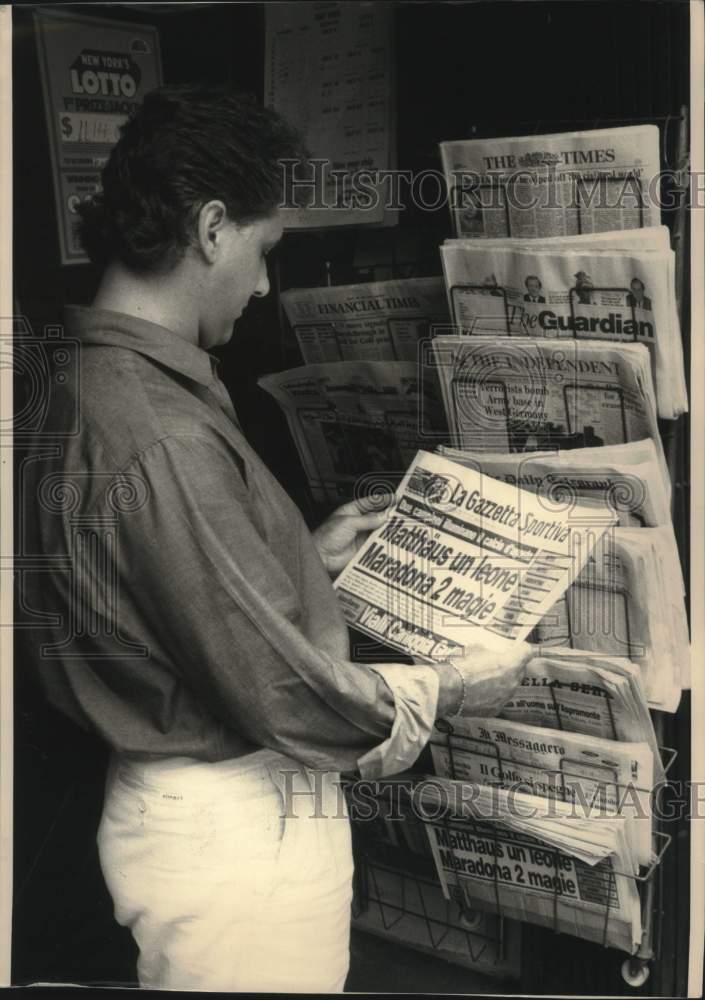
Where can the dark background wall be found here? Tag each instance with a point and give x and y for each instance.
(467, 69)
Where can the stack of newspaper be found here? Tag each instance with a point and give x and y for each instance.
(356, 422)
(627, 478)
(594, 288)
(553, 185)
(535, 859)
(523, 394)
(378, 321)
(600, 777)
(629, 601)
(581, 692)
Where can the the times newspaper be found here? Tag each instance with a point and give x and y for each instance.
(353, 419)
(525, 395)
(553, 185)
(463, 558)
(627, 478)
(378, 321)
(596, 294)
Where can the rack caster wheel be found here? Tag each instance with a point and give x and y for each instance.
(635, 972)
(471, 920)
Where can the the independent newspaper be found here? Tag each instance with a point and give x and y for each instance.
(525, 395)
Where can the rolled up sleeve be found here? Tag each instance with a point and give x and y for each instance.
(415, 691)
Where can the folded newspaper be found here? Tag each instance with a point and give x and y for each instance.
(571, 292)
(629, 601)
(628, 478)
(534, 859)
(651, 238)
(600, 777)
(353, 420)
(463, 558)
(525, 395)
(588, 693)
(378, 321)
(550, 185)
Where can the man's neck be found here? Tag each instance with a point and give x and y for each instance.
(164, 299)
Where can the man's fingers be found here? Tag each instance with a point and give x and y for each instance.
(375, 503)
(366, 522)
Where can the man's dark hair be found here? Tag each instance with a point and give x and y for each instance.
(183, 147)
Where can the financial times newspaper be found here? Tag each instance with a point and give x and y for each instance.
(628, 601)
(601, 775)
(463, 558)
(596, 294)
(378, 321)
(538, 861)
(524, 395)
(351, 419)
(553, 185)
(628, 478)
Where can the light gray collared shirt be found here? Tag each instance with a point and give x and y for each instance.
(185, 609)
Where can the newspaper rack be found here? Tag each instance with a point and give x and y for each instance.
(644, 881)
(397, 895)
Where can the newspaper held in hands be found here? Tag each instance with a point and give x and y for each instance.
(627, 478)
(464, 559)
(571, 293)
(525, 395)
(377, 321)
(553, 185)
(536, 860)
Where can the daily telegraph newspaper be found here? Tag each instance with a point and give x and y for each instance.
(524, 395)
(463, 558)
(553, 185)
(537, 861)
(629, 601)
(588, 693)
(378, 321)
(595, 294)
(353, 419)
(627, 478)
(600, 776)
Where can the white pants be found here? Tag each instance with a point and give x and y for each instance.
(222, 887)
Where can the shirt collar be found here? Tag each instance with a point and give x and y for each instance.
(115, 329)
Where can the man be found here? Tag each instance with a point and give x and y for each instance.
(636, 298)
(533, 289)
(583, 288)
(193, 625)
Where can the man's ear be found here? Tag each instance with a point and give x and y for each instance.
(212, 219)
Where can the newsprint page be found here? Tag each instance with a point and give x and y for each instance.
(352, 514)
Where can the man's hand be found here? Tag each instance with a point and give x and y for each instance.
(490, 675)
(342, 534)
